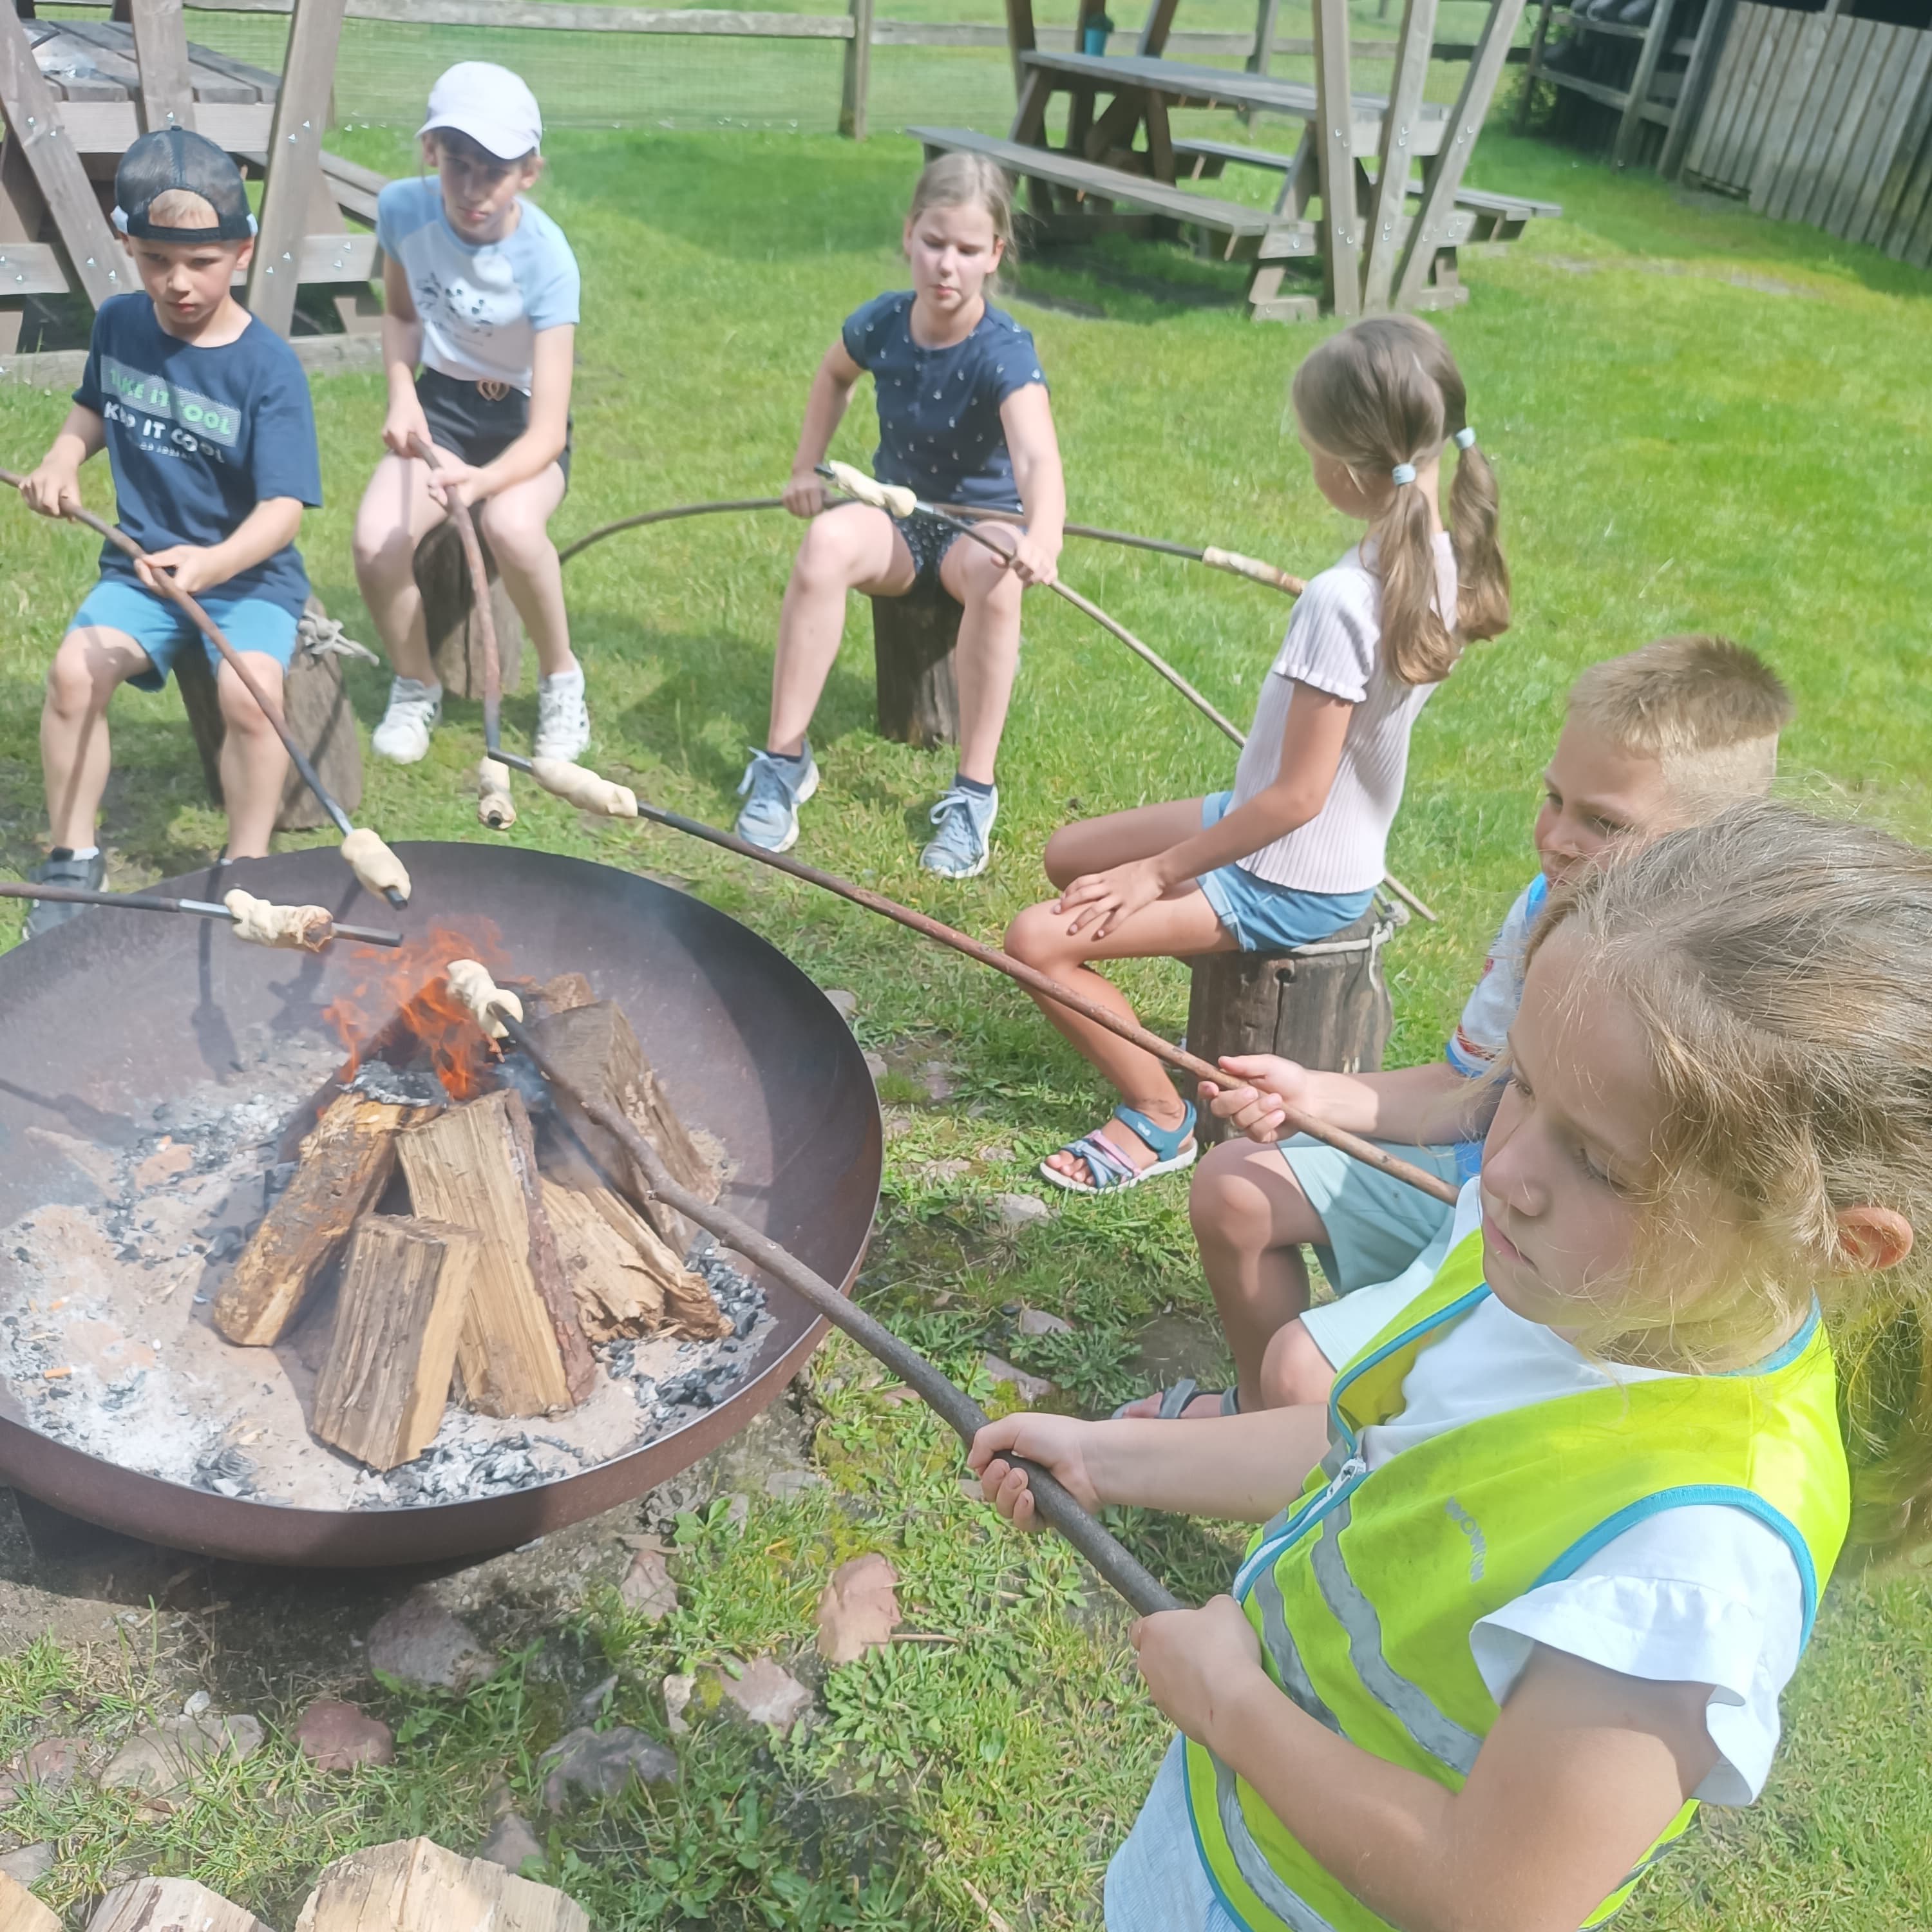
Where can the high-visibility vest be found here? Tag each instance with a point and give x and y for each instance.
(1364, 1593)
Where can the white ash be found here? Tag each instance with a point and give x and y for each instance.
(107, 1343)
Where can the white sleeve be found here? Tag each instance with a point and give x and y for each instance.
(1483, 1031)
(1703, 1594)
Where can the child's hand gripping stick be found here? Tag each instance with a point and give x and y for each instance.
(494, 806)
(579, 786)
(892, 498)
(301, 928)
(469, 980)
(379, 868)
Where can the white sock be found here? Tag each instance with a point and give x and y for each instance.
(562, 680)
(87, 851)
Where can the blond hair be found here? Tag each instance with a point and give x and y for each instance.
(966, 180)
(182, 208)
(1775, 962)
(1706, 709)
(1386, 391)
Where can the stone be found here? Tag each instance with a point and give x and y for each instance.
(163, 1761)
(197, 1704)
(595, 1702)
(512, 1844)
(603, 1764)
(859, 1609)
(1021, 1210)
(784, 1484)
(336, 1736)
(936, 1077)
(420, 1644)
(678, 1690)
(875, 1065)
(54, 1761)
(764, 1693)
(937, 1173)
(166, 1161)
(1030, 1388)
(1039, 1321)
(30, 1864)
(647, 1590)
(843, 1003)
(738, 1510)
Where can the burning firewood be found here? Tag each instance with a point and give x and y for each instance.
(521, 1350)
(343, 1168)
(406, 1287)
(626, 1281)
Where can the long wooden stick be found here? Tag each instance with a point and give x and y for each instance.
(1116, 1565)
(364, 935)
(212, 631)
(460, 516)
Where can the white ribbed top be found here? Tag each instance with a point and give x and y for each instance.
(1334, 644)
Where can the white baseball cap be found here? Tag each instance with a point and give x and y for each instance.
(489, 104)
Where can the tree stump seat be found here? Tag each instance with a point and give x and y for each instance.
(914, 639)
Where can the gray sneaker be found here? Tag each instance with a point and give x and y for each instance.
(965, 821)
(90, 873)
(770, 817)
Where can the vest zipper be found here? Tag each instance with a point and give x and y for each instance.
(1344, 1481)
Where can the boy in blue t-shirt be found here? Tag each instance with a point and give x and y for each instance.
(205, 415)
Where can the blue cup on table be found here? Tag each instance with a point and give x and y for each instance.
(1093, 34)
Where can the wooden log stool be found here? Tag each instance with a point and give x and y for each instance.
(455, 638)
(320, 718)
(913, 638)
(1326, 1005)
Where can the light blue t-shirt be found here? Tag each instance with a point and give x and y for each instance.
(482, 303)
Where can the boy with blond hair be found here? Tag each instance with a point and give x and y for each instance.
(1663, 737)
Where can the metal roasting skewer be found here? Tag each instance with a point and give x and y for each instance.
(212, 632)
(1116, 1565)
(363, 935)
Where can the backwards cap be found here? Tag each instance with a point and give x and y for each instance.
(171, 160)
(489, 104)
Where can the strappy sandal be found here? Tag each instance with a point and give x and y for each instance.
(1173, 1149)
(1174, 1402)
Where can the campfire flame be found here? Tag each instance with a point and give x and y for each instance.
(404, 1011)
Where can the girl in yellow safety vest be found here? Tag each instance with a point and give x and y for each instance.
(1531, 1585)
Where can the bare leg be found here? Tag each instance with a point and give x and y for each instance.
(854, 547)
(397, 513)
(989, 654)
(254, 767)
(517, 521)
(1295, 1370)
(90, 666)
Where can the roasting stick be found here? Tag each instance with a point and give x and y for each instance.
(379, 868)
(500, 1014)
(308, 927)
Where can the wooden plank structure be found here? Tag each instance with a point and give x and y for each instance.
(1822, 118)
(1378, 242)
(74, 95)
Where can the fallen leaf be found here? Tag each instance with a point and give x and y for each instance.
(647, 1589)
(859, 1609)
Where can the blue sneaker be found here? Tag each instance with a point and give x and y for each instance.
(965, 822)
(90, 873)
(769, 818)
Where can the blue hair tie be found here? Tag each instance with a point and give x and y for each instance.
(1403, 473)
(1465, 439)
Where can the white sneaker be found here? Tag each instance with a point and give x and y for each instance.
(414, 710)
(563, 719)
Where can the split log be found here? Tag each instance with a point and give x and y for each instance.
(20, 1911)
(405, 1286)
(340, 1172)
(560, 994)
(627, 1283)
(597, 1053)
(170, 1905)
(521, 1348)
(414, 1886)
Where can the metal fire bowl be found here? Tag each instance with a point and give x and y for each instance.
(114, 1012)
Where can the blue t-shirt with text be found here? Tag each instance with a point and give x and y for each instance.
(940, 432)
(197, 438)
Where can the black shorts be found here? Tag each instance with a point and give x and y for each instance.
(475, 422)
(928, 539)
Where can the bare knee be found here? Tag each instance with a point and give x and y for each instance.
(239, 711)
(829, 558)
(384, 551)
(1039, 936)
(989, 584)
(1226, 1205)
(520, 542)
(78, 684)
(1295, 1369)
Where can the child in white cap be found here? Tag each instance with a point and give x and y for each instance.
(481, 292)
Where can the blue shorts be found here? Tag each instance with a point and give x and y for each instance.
(162, 629)
(1262, 916)
(928, 540)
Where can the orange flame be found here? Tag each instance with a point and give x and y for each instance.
(403, 1010)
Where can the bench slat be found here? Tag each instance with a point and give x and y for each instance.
(1488, 201)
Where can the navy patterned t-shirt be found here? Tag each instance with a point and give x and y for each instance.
(940, 432)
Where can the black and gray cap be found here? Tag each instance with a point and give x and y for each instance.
(172, 159)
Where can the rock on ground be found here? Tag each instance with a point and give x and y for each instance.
(1031, 1388)
(859, 1609)
(421, 1644)
(336, 1736)
(1039, 1321)
(647, 1590)
(601, 1764)
(54, 1761)
(843, 1003)
(30, 1864)
(164, 1759)
(764, 1693)
(1021, 1210)
(512, 1844)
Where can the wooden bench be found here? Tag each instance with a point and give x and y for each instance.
(1270, 240)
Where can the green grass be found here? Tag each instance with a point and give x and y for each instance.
(1700, 421)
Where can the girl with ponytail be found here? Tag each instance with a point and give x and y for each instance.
(1293, 851)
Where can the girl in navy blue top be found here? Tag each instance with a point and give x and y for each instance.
(963, 419)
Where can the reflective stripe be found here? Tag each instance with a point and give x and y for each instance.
(1281, 1648)
(1441, 1737)
(1251, 1862)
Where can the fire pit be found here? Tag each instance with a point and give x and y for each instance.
(144, 1066)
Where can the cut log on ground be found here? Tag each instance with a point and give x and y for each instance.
(343, 1168)
(627, 1282)
(170, 1905)
(405, 1286)
(600, 1052)
(521, 1350)
(20, 1911)
(414, 1886)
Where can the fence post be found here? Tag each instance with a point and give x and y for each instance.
(858, 73)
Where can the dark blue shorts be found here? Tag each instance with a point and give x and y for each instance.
(164, 630)
(928, 539)
(476, 424)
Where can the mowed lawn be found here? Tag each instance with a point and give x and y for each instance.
(1700, 420)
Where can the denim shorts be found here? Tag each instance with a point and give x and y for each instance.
(1263, 917)
(1157, 1881)
(163, 629)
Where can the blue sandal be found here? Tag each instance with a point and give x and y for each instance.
(1173, 1149)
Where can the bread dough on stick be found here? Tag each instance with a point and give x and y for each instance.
(376, 866)
(893, 498)
(469, 980)
(494, 806)
(303, 928)
(579, 786)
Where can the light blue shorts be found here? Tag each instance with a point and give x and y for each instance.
(1263, 917)
(1156, 1881)
(163, 630)
(1377, 1227)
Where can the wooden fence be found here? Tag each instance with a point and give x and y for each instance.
(1823, 118)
